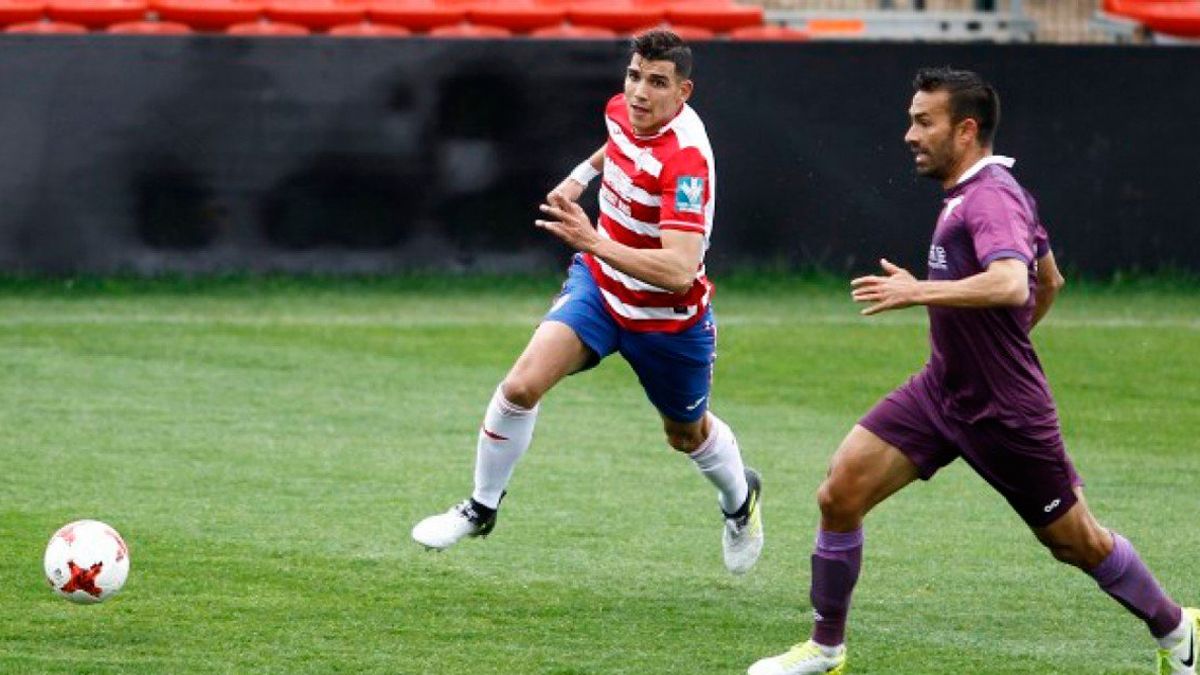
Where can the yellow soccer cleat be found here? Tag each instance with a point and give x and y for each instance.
(806, 658)
(742, 540)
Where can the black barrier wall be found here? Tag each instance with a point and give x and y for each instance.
(209, 153)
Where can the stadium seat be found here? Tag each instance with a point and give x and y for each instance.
(570, 32)
(416, 15)
(149, 28)
(367, 29)
(1180, 18)
(471, 31)
(618, 15)
(46, 27)
(768, 34)
(208, 14)
(96, 13)
(316, 14)
(267, 29)
(718, 16)
(519, 16)
(20, 11)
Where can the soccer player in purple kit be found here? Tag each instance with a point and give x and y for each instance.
(982, 395)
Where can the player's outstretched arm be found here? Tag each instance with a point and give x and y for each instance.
(1050, 282)
(573, 185)
(672, 267)
(1005, 283)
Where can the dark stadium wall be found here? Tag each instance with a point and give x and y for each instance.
(202, 154)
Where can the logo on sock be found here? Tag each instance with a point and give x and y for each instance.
(492, 435)
(817, 616)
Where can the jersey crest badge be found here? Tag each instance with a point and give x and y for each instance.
(689, 194)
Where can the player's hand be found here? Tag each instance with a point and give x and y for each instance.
(569, 223)
(896, 289)
(569, 189)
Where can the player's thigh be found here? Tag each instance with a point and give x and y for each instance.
(675, 371)
(554, 352)
(864, 471)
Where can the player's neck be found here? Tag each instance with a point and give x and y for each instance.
(967, 161)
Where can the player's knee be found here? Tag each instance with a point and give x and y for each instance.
(520, 391)
(684, 440)
(1085, 551)
(838, 505)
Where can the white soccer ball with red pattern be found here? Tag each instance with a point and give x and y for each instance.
(86, 561)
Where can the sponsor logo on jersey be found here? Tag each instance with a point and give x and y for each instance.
(937, 257)
(689, 194)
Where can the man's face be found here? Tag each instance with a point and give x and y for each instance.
(653, 93)
(937, 143)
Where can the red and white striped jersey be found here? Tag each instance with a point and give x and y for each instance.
(662, 182)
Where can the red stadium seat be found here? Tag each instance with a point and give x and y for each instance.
(519, 16)
(96, 13)
(149, 28)
(46, 27)
(768, 34)
(316, 14)
(367, 29)
(688, 33)
(1180, 18)
(618, 15)
(267, 29)
(569, 32)
(716, 15)
(20, 11)
(208, 14)
(470, 31)
(418, 15)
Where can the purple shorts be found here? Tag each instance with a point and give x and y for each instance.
(1028, 466)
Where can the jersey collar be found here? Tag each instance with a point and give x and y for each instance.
(1006, 162)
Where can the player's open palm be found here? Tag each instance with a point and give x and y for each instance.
(895, 289)
(569, 222)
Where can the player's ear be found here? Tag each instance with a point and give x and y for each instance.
(968, 130)
(685, 89)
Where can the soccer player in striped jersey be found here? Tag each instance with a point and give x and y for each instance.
(637, 286)
(982, 395)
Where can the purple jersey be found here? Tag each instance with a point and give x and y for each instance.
(983, 364)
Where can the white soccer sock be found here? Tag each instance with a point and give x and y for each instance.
(505, 435)
(720, 460)
(1171, 640)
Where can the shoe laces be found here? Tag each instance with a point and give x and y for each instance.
(467, 511)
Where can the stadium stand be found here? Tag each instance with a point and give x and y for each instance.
(1071, 21)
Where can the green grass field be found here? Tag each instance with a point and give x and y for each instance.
(266, 447)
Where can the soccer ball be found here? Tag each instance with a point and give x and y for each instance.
(86, 561)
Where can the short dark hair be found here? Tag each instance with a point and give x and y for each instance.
(663, 45)
(970, 96)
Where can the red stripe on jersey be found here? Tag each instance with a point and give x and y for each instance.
(623, 235)
(636, 209)
(683, 227)
(645, 298)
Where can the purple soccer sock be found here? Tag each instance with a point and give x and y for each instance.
(835, 566)
(1126, 578)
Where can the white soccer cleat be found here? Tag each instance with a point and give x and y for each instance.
(1181, 659)
(465, 519)
(742, 540)
(806, 658)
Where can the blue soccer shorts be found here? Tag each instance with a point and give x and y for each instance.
(675, 369)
